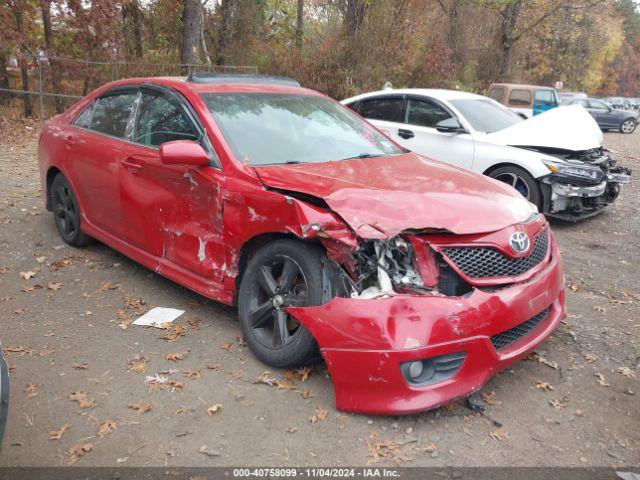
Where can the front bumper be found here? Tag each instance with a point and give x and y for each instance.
(365, 341)
(575, 201)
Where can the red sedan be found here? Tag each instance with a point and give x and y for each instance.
(416, 281)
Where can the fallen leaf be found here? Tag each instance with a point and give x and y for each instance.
(590, 358)
(499, 434)
(380, 449)
(291, 430)
(627, 372)
(578, 413)
(31, 390)
(141, 407)
(544, 385)
(558, 403)
(134, 302)
(182, 411)
(78, 451)
(194, 322)
(227, 346)
(174, 332)
(174, 357)
(601, 380)
(83, 399)
(241, 341)
(104, 286)
(41, 259)
(427, 447)
(489, 398)
(319, 415)
(304, 373)
(214, 409)
(79, 366)
(27, 275)
(138, 364)
(540, 359)
(4, 269)
(305, 393)
(22, 350)
(57, 434)
(192, 373)
(600, 309)
(266, 379)
(214, 366)
(107, 427)
(284, 385)
(20, 310)
(55, 286)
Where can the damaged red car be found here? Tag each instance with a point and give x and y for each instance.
(414, 280)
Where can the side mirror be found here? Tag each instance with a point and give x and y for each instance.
(450, 125)
(183, 152)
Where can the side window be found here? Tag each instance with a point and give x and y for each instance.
(520, 98)
(425, 113)
(598, 105)
(159, 121)
(389, 109)
(496, 93)
(544, 97)
(84, 119)
(111, 113)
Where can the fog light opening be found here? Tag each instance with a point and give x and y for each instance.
(415, 370)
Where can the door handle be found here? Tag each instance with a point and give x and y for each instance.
(406, 134)
(132, 163)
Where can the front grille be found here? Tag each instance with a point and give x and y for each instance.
(511, 336)
(482, 262)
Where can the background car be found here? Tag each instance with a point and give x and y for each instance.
(607, 117)
(564, 97)
(525, 100)
(558, 165)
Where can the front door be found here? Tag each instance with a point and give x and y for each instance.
(420, 134)
(173, 211)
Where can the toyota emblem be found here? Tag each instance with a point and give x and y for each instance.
(519, 242)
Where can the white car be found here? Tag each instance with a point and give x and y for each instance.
(554, 159)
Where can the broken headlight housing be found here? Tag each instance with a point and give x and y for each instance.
(577, 171)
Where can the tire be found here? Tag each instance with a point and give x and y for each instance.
(628, 126)
(66, 213)
(521, 180)
(283, 273)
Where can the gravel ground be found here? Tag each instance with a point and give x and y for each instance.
(577, 405)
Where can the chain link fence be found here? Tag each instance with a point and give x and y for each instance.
(41, 87)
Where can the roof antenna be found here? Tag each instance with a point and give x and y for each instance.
(387, 86)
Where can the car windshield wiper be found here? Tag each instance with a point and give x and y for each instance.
(365, 155)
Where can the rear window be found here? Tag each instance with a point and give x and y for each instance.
(520, 97)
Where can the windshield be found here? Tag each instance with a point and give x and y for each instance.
(270, 128)
(486, 115)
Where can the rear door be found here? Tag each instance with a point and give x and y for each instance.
(173, 211)
(95, 144)
(384, 111)
(422, 114)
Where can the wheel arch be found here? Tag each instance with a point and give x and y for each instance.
(506, 164)
(51, 174)
(255, 243)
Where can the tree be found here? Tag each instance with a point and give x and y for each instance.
(299, 22)
(191, 31)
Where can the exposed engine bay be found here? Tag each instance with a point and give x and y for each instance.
(584, 184)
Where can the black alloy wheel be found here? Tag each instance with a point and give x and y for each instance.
(285, 273)
(66, 213)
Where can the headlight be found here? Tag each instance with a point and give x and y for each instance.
(573, 170)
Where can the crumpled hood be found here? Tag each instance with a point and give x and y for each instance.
(568, 128)
(380, 197)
